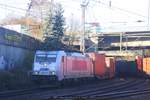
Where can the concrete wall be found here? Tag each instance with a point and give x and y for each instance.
(16, 49)
(15, 57)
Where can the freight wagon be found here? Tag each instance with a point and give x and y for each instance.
(126, 68)
(110, 64)
(145, 67)
(140, 67)
(104, 67)
(139, 63)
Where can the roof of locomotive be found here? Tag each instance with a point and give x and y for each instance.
(78, 54)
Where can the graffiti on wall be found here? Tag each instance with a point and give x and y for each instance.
(13, 37)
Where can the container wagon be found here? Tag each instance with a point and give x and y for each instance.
(139, 62)
(110, 64)
(143, 66)
(146, 65)
(104, 67)
(126, 68)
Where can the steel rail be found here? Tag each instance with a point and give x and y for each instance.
(109, 90)
(100, 88)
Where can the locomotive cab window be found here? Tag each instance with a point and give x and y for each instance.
(46, 58)
(51, 58)
(40, 58)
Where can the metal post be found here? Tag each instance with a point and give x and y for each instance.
(96, 44)
(120, 41)
(126, 42)
(148, 14)
(82, 45)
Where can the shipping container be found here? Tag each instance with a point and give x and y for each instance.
(139, 61)
(146, 65)
(99, 64)
(103, 67)
(126, 68)
(110, 64)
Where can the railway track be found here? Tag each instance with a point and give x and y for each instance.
(139, 86)
(110, 96)
(103, 89)
(44, 89)
(25, 91)
(48, 88)
(86, 88)
(120, 94)
(112, 89)
(112, 93)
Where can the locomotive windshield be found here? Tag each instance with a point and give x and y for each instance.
(45, 58)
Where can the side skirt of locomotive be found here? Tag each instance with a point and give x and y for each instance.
(45, 79)
(77, 81)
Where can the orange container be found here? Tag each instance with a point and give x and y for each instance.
(139, 63)
(146, 65)
(99, 64)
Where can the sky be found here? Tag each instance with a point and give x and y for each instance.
(10, 8)
(122, 15)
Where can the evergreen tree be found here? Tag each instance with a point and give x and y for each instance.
(58, 22)
(55, 31)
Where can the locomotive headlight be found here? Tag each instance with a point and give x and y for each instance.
(45, 64)
(53, 73)
(35, 72)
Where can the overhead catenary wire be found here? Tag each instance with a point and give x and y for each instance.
(113, 7)
(133, 13)
(9, 7)
(19, 11)
(12, 7)
(99, 2)
(11, 10)
(120, 9)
